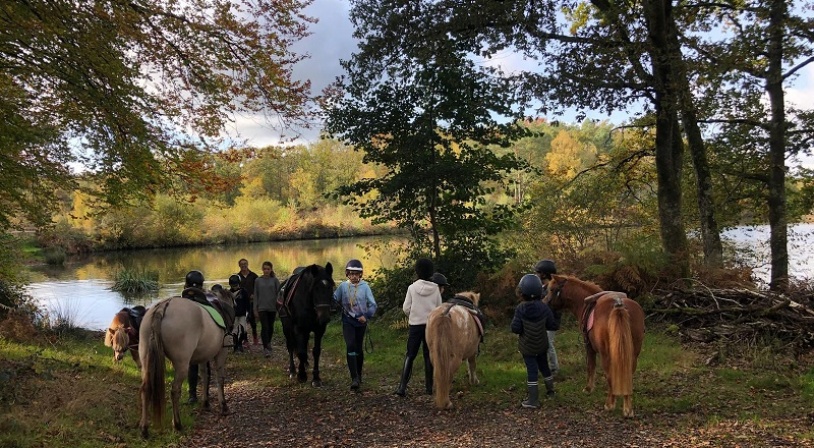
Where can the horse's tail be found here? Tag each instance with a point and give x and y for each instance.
(441, 356)
(621, 351)
(152, 369)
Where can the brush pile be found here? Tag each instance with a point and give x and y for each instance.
(738, 315)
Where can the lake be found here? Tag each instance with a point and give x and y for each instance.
(80, 290)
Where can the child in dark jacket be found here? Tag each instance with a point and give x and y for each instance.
(241, 311)
(532, 319)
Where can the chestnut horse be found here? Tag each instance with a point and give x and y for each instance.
(613, 326)
(453, 335)
(185, 332)
(122, 333)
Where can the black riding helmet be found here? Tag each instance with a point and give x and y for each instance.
(194, 279)
(439, 279)
(546, 267)
(353, 265)
(531, 286)
(234, 280)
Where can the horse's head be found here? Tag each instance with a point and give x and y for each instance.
(554, 297)
(322, 290)
(117, 336)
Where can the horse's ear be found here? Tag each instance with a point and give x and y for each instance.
(329, 269)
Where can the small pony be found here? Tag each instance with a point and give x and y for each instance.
(186, 332)
(122, 333)
(613, 326)
(453, 334)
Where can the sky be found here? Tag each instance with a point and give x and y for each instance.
(331, 40)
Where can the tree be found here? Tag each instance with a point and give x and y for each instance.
(429, 115)
(135, 91)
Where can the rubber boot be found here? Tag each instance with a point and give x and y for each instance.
(533, 400)
(192, 378)
(406, 371)
(354, 373)
(549, 386)
(360, 361)
(428, 371)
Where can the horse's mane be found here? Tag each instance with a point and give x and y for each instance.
(570, 282)
(471, 296)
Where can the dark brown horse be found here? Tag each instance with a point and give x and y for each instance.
(304, 307)
(613, 325)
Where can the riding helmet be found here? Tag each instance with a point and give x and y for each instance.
(531, 286)
(194, 279)
(234, 280)
(545, 267)
(354, 265)
(439, 279)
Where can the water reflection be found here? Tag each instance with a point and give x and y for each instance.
(81, 289)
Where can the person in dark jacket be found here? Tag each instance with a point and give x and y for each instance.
(247, 279)
(544, 269)
(532, 319)
(241, 311)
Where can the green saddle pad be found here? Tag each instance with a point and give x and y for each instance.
(216, 316)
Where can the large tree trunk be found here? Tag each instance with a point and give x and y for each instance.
(777, 151)
(669, 146)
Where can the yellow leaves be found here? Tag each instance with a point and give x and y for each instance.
(568, 156)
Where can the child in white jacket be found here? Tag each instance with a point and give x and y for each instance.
(423, 296)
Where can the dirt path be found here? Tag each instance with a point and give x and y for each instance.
(296, 415)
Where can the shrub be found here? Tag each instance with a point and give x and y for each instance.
(136, 282)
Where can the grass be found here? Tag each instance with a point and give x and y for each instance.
(135, 281)
(64, 390)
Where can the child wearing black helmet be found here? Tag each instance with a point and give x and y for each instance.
(241, 310)
(532, 319)
(355, 298)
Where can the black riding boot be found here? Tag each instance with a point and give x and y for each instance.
(354, 372)
(192, 378)
(405, 376)
(360, 361)
(428, 375)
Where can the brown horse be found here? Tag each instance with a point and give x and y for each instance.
(613, 326)
(453, 335)
(122, 333)
(182, 330)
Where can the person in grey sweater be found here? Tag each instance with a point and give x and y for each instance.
(266, 288)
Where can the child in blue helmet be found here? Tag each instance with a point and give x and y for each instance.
(532, 319)
(355, 298)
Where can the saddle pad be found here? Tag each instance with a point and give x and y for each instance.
(216, 316)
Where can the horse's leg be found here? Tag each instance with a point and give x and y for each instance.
(610, 399)
(302, 356)
(627, 406)
(134, 354)
(207, 376)
(220, 363)
(473, 376)
(144, 424)
(290, 345)
(316, 381)
(181, 371)
(590, 357)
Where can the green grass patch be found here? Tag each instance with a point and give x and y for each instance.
(63, 390)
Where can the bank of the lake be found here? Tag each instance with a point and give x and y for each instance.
(80, 289)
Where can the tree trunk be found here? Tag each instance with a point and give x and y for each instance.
(669, 146)
(777, 151)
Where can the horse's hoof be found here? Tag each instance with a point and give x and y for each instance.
(588, 390)
(178, 426)
(224, 411)
(316, 383)
(628, 414)
(145, 433)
